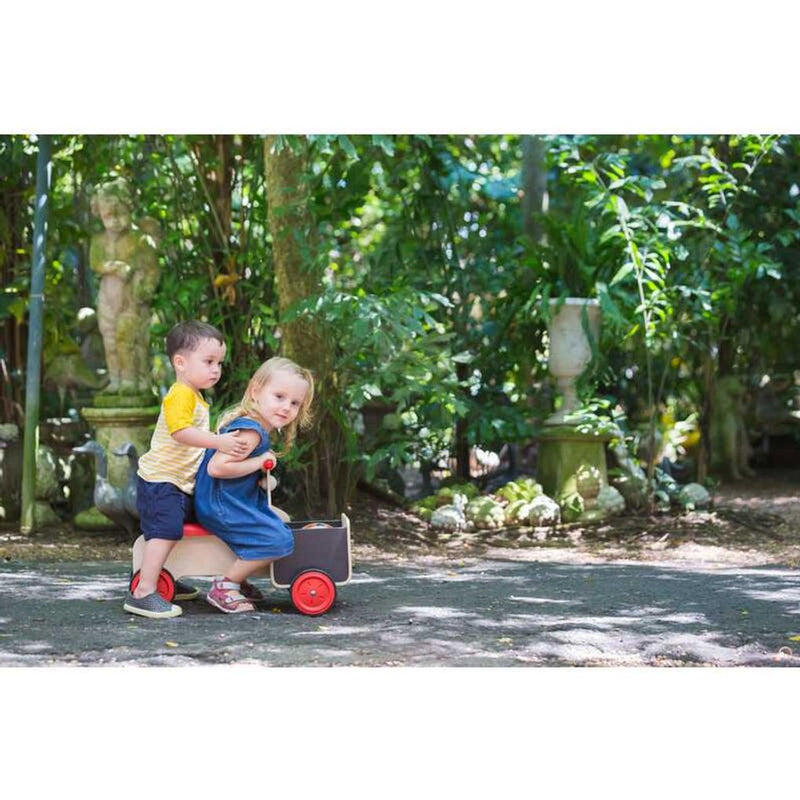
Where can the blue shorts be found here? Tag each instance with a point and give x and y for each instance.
(163, 508)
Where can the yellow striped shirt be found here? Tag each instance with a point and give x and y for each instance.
(168, 461)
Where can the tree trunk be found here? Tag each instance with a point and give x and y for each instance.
(534, 202)
(298, 276)
(534, 185)
(463, 471)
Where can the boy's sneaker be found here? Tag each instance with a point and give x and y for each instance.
(151, 605)
(184, 591)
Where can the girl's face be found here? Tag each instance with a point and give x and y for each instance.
(280, 399)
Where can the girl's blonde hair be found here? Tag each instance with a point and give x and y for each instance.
(261, 377)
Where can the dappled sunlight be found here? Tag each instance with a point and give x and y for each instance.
(580, 645)
(34, 585)
(360, 577)
(36, 647)
(333, 630)
(491, 613)
(780, 595)
(462, 577)
(541, 600)
(542, 621)
(684, 619)
(434, 612)
(326, 652)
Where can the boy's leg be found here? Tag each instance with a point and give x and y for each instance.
(161, 512)
(145, 600)
(155, 554)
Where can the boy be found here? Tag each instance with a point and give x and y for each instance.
(167, 470)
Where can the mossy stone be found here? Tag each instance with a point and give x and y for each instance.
(93, 520)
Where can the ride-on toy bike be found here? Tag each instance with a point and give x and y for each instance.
(320, 561)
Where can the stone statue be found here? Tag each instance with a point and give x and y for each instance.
(730, 444)
(124, 257)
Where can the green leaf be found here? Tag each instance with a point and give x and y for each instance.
(385, 143)
(622, 273)
(348, 147)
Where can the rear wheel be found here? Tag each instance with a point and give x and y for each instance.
(165, 585)
(313, 592)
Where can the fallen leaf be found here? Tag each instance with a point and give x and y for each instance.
(171, 644)
(794, 638)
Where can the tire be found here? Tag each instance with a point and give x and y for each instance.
(165, 586)
(313, 592)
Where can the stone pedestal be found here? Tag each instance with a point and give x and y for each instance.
(564, 451)
(114, 426)
(10, 473)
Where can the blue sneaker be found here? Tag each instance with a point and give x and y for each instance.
(151, 605)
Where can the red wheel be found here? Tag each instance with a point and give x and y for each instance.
(165, 585)
(313, 592)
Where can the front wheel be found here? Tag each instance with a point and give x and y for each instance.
(165, 585)
(313, 592)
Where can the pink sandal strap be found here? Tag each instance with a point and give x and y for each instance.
(226, 596)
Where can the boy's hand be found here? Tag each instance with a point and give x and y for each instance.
(231, 444)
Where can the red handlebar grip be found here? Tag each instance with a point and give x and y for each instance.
(268, 464)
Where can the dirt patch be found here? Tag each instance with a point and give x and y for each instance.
(752, 522)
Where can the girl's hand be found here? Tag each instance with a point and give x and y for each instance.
(231, 444)
(269, 458)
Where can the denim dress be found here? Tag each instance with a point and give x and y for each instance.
(236, 509)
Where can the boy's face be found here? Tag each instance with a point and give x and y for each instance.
(200, 368)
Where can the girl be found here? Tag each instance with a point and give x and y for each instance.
(228, 499)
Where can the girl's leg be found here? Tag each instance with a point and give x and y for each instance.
(155, 554)
(240, 569)
(231, 593)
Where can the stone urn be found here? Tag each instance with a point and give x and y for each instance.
(572, 462)
(574, 327)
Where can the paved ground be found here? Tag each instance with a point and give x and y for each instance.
(478, 612)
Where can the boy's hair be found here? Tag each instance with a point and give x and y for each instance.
(246, 408)
(188, 335)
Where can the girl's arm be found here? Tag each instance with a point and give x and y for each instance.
(222, 465)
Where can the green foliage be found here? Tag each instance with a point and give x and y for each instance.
(442, 497)
(524, 489)
(435, 300)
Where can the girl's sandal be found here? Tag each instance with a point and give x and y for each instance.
(226, 596)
